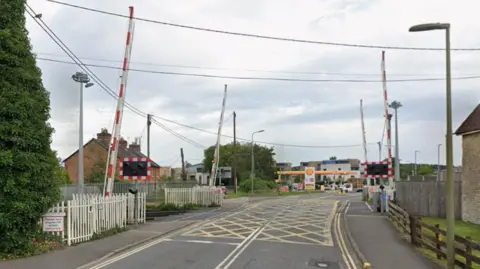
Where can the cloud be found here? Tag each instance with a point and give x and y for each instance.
(301, 113)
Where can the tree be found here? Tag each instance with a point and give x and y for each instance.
(29, 183)
(425, 170)
(263, 156)
(333, 158)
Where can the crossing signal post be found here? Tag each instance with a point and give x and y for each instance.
(135, 169)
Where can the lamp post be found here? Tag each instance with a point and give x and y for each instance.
(415, 167)
(82, 79)
(438, 161)
(396, 105)
(449, 143)
(252, 171)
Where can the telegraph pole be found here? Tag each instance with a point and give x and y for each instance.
(184, 174)
(235, 150)
(149, 122)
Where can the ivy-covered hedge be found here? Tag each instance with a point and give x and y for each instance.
(29, 181)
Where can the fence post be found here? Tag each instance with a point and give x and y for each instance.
(438, 246)
(468, 250)
(413, 230)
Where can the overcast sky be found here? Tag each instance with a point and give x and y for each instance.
(300, 113)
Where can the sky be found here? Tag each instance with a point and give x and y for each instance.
(323, 117)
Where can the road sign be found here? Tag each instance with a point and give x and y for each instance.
(309, 178)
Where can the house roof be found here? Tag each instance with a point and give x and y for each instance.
(122, 152)
(471, 123)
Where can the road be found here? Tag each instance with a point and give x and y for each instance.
(292, 232)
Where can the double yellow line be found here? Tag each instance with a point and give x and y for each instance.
(341, 242)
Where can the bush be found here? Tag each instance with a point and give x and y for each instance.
(258, 185)
(30, 182)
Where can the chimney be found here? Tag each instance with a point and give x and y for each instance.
(134, 147)
(104, 136)
(123, 143)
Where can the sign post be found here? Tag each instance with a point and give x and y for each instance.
(309, 178)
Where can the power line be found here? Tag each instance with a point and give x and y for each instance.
(102, 85)
(235, 69)
(262, 36)
(184, 138)
(262, 142)
(265, 78)
(75, 59)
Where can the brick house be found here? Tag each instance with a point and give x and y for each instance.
(95, 154)
(470, 132)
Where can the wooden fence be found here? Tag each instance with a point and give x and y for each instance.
(427, 198)
(430, 237)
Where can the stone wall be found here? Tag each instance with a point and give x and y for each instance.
(471, 178)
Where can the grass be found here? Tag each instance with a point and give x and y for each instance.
(462, 229)
(234, 195)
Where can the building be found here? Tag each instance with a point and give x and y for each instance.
(345, 165)
(284, 166)
(95, 154)
(470, 132)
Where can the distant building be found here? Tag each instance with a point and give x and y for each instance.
(284, 166)
(344, 165)
(95, 154)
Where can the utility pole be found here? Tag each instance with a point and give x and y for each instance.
(235, 150)
(415, 167)
(184, 174)
(149, 122)
(396, 105)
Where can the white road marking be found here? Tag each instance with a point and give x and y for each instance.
(369, 207)
(202, 242)
(238, 248)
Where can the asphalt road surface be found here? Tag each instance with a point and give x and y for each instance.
(288, 233)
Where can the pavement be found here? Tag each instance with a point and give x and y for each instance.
(379, 242)
(291, 232)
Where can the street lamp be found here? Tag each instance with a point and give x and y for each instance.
(82, 79)
(438, 163)
(396, 105)
(415, 171)
(252, 171)
(449, 143)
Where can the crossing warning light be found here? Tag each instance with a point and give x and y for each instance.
(135, 169)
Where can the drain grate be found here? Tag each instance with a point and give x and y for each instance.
(323, 263)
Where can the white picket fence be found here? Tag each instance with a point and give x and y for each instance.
(204, 196)
(89, 214)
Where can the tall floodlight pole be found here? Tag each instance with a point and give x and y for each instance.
(81, 78)
(396, 105)
(252, 169)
